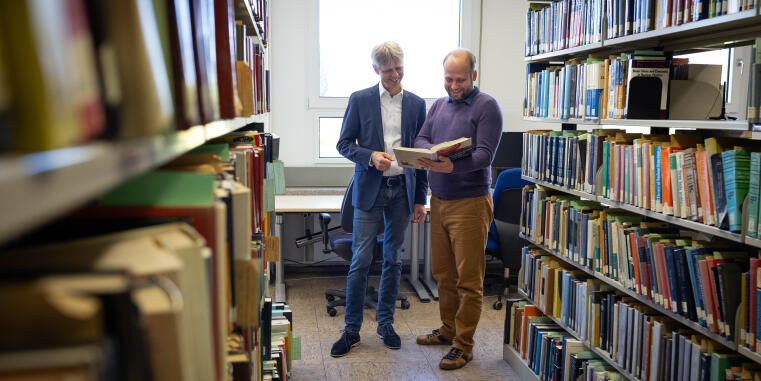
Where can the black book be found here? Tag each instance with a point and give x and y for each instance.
(604, 322)
(716, 173)
(705, 366)
(666, 353)
(266, 325)
(730, 274)
(719, 297)
(685, 287)
(674, 362)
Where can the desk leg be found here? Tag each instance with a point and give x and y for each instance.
(279, 281)
(414, 277)
(428, 280)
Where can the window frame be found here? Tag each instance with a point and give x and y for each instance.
(317, 106)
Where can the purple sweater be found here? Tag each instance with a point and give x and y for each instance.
(479, 117)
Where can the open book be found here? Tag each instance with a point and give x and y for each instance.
(454, 149)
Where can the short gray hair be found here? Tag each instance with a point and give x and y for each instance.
(386, 53)
(460, 52)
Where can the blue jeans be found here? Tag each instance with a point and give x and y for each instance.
(391, 211)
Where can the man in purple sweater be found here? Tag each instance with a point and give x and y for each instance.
(461, 206)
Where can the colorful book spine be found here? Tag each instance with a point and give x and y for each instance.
(753, 193)
(737, 175)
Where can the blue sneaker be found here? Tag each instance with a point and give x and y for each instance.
(390, 339)
(347, 341)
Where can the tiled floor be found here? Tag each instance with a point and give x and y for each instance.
(371, 360)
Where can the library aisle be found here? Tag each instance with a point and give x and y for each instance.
(371, 360)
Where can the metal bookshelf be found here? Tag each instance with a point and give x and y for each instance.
(739, 125)
(517, 364)
(640, 298)
(755, 242)
(750, 354)
(603, 354)
(713, 31)
(692, 225)
(565, 53)
(43, 185)
(244, 12)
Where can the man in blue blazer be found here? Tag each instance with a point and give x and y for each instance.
(378, 119)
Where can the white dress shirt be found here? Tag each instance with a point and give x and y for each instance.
(391, 116)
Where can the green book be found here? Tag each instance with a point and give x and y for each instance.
(220, 149)
(163, 188)
(753, 193)
(736, 183)
(720, 362)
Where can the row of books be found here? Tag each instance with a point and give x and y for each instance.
(676, 270)
(628, 86)
(251, 71)
(548, 350)
(277, 344)
(565, 24)
(562, 24)
(639, 340)
(82, 70)
(183, 248)
(700, 179)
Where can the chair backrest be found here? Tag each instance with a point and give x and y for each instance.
(347, 209)
(507, 179)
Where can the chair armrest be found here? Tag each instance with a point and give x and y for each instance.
(324, 222)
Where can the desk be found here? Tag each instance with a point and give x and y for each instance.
(332, 204)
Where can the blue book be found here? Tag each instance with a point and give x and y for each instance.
(693, 256)
(736, 183)
(627, 174)
(561, 161)
(658, 178)
(605, 161)
(758, 315)
(668, 254)
(685, 287)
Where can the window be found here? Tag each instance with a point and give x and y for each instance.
(348, 30)
(342, 34)
(330, 129)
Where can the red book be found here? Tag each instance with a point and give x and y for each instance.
(528, 311)
(224, 25)
(202, 27)
(754, 264)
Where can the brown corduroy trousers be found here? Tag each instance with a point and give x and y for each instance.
(459, 230)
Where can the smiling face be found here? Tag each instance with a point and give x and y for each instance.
(458, 80)
(391, 76)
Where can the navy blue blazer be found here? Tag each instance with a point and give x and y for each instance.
(362, 134)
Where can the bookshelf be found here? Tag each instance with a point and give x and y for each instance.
(674, 316)
(723, 125)
(716, 30)
(243, 11)
(707, 229)
(40, 186)
(517, 364)
(603, 354)
(212, 224)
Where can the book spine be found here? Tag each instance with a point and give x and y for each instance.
(753, 193)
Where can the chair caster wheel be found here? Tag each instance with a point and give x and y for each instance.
(497, 305)
(332, 311)
(330, 298)
(405, 305)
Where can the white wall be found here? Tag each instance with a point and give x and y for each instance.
(501, 71)
(502, 65)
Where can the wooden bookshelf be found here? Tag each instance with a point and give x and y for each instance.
(692, 225)
(40, 186)
(603, 354)
(640, 298)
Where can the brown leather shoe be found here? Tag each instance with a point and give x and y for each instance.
(433, 338)
(455, 359)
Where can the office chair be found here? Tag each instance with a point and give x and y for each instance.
(503, 242)
(340, 242)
